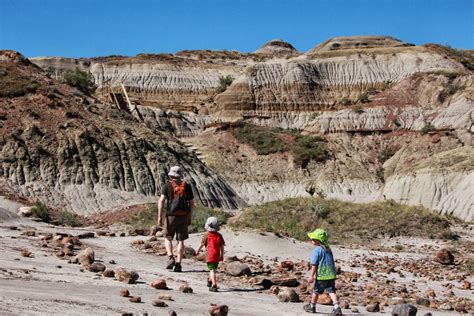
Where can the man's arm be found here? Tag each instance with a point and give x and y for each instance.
(161, 204)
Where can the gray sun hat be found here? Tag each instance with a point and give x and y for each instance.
(212, 224)
(175, 172)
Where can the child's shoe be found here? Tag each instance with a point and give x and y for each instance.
(310, 308)
(337, 311)
(213, 288)
(209, 283)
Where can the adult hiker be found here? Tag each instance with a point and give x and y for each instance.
(178, 216)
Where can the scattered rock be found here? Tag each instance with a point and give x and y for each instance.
(289, 282)
(189, 252)
(430, 293)
(159, 284)
(97, 267)
(287, 265)
(288, 295)
(86, 257)
(125, 276)
(185, 288)
(466, 285)
(159, 303)
(124, 292)
(404, 310)
(373, 308)
(344, 304)
(460, 307)
(26, 253)
(165, 297)
(25, 211)
(218, 310)
(324, 299)
(237, 268)
(446, 306)
(86, 235)
(135, 299)
(172, 313)
(29, 233)
(101, 233)
(354, 310)
(275, 289)
(109, 273)
(444, 256)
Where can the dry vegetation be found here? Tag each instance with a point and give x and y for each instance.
(346, 222)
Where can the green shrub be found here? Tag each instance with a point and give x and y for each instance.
(364, 98)
(66, 218)
(200, 215)
(263, 140)
(224, 82)
(449, 91)
(306, 148)
(380, 173)
(427, 128)
(384, 155)
(346, 101)
(15, 85)
(358, 109)
(372, 91)
(146, 218)
(81, 80)
(344, 221)
(267, 141)
(41, 211)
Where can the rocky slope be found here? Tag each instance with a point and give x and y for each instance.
(363, 94)
(72, 152)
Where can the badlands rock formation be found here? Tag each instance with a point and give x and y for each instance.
(277, 47)
(72, 152)
(364, 94)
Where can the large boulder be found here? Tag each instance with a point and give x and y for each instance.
(444, 256)
(237, 268)
(86, 257)
(126, 276)
(218, 310)
(288, 295)
(404, 310)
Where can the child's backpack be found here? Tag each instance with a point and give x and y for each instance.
(179, 205)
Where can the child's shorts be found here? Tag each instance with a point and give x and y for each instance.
(212, 265)
(328, 285)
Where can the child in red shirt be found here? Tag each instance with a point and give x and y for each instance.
(214, 243)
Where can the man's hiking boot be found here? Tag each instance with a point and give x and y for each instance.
(170, 264)
(310, 308)
(337, 311)
(177, 267)
(213, 288)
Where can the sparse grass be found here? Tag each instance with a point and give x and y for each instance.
(451, 75)
(65, 218)
(15, 85)
(344, 221)
(41, 211)
(384, 155)
(267, 141)
(427, 128)
(465, 57)
(372, 91)
(147, 218)
(380, 173)
(346, 101)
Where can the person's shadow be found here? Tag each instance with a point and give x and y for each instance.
(242, 290)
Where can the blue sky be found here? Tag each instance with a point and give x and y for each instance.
(85, 28)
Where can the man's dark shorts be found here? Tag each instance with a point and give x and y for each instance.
(176, 225)
(328, 285)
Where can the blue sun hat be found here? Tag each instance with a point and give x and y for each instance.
(320, 235)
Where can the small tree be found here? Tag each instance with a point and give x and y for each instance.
(81, 80)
